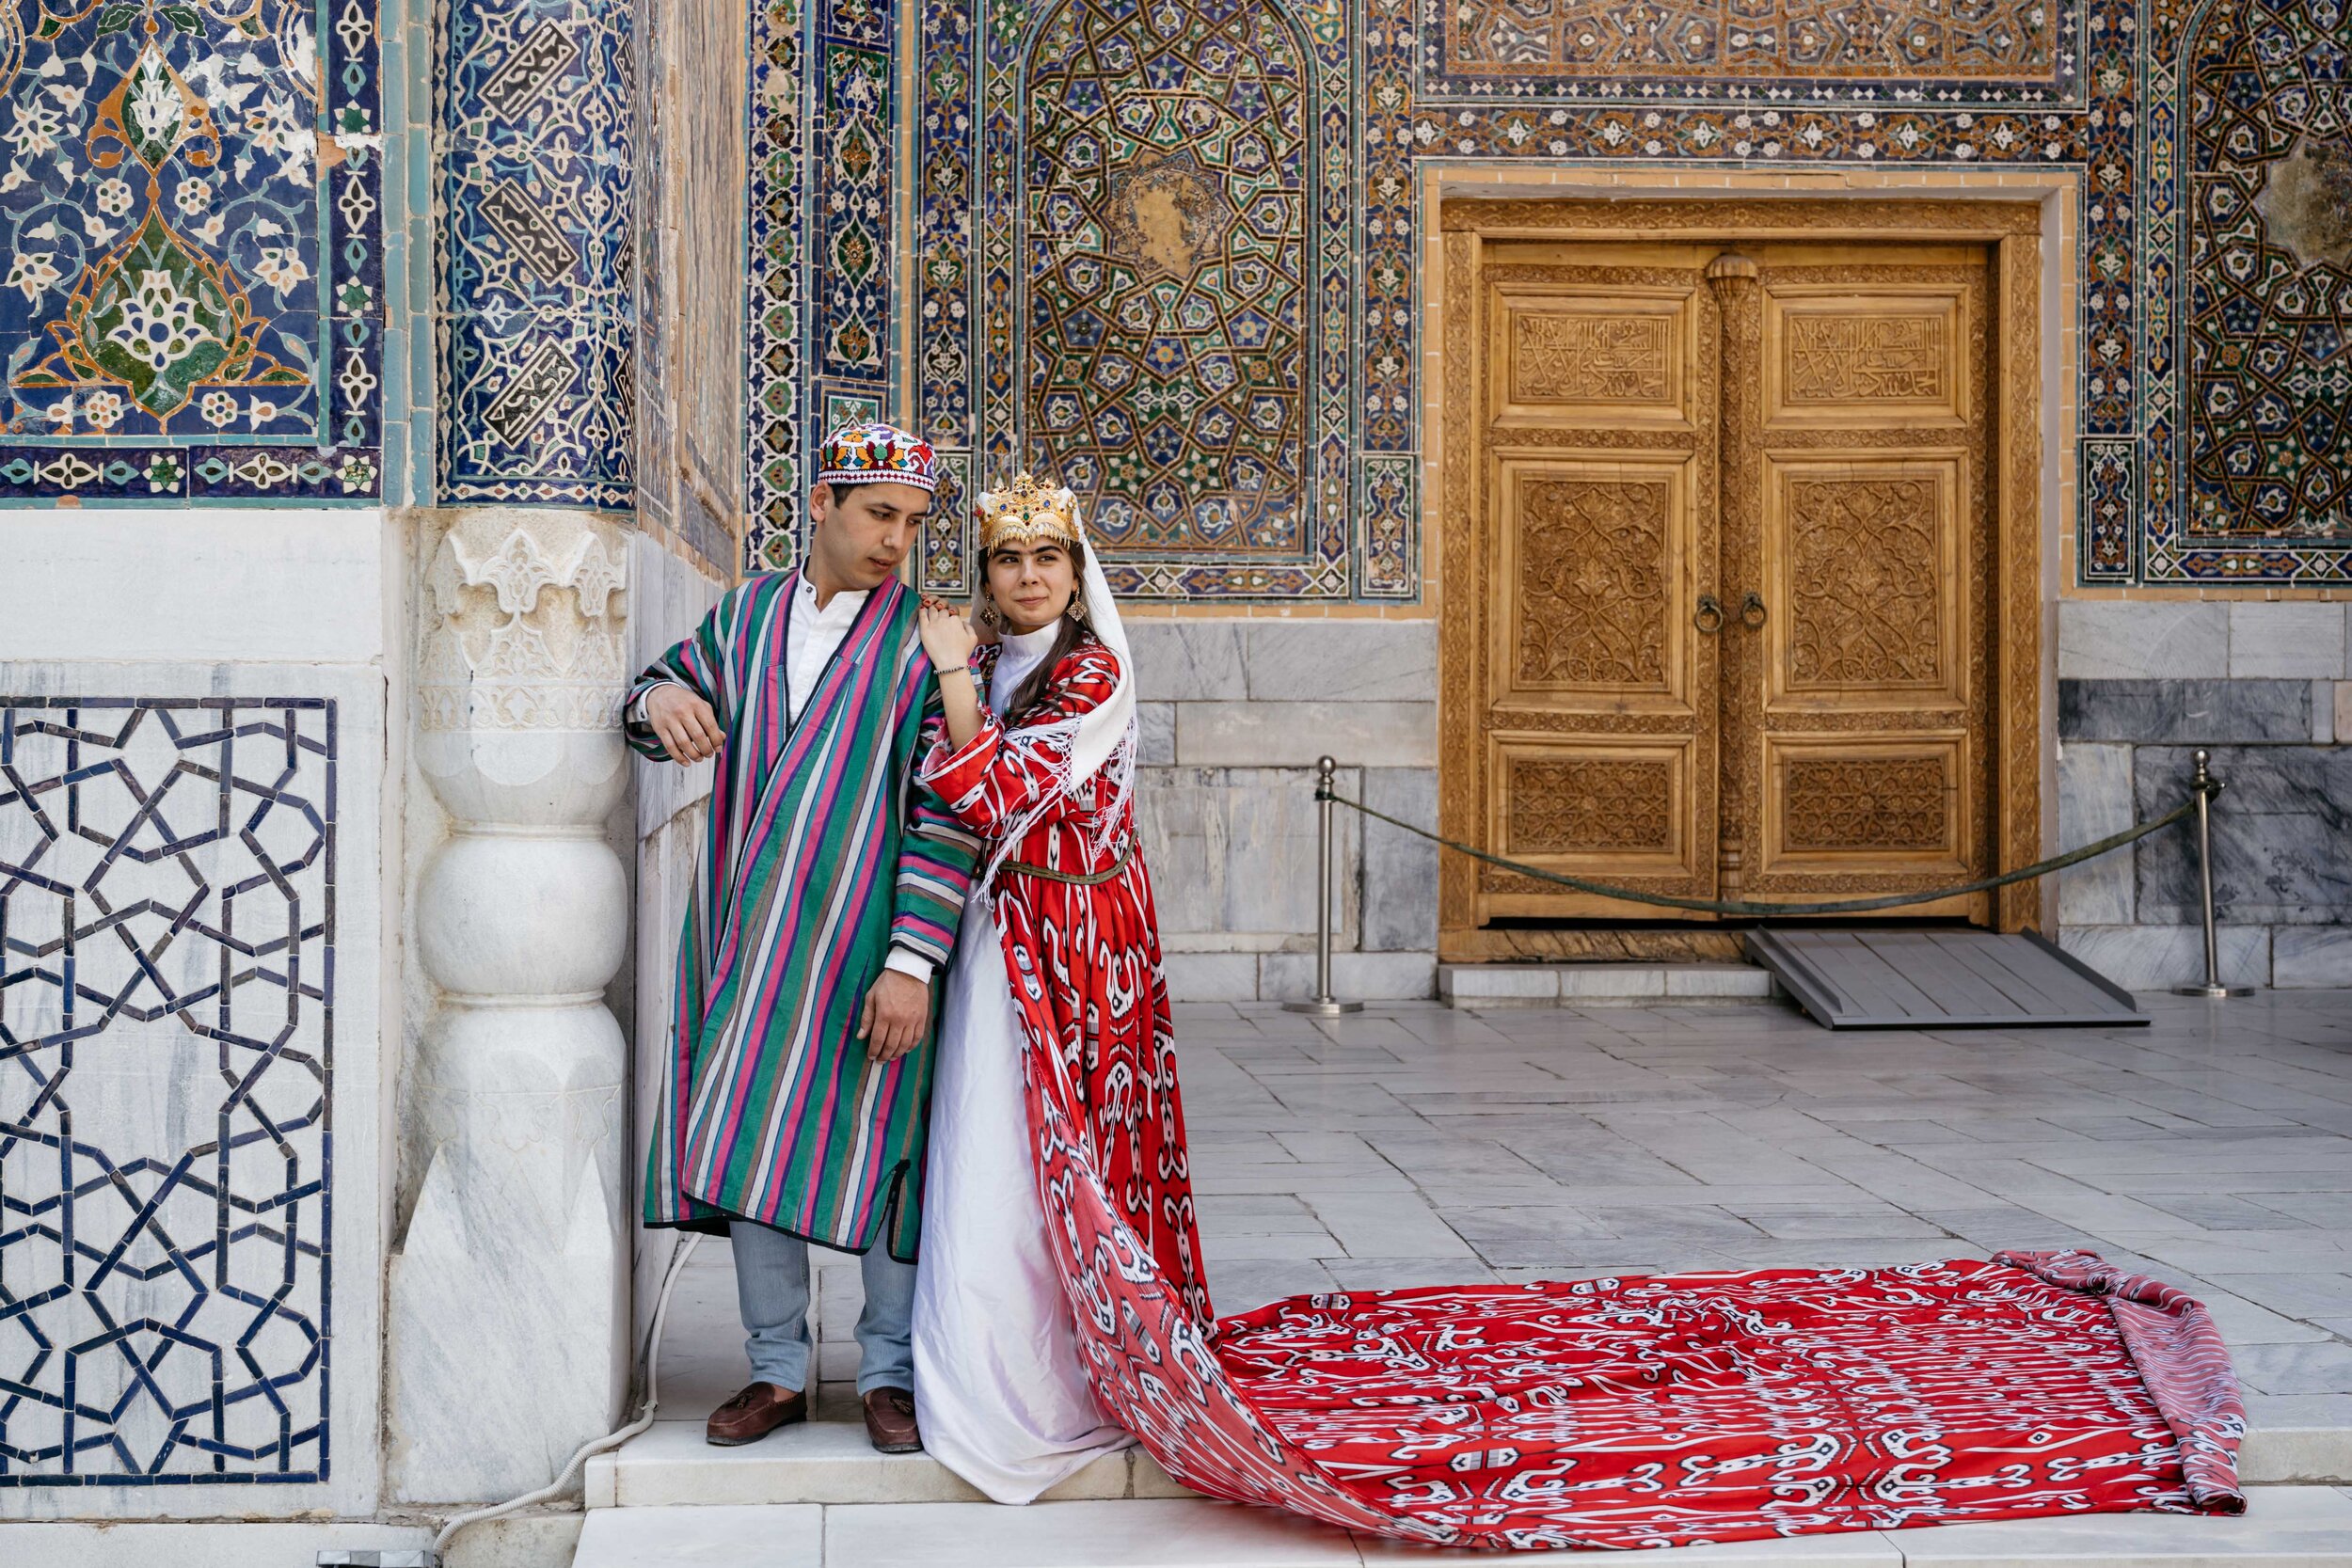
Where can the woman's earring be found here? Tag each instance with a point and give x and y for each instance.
(988, 613)
(1078, 609)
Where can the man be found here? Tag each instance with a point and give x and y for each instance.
(797, 1086)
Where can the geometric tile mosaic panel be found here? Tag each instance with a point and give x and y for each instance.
(167, 962)
(191, 281)
(2212, 145)
(535, 253)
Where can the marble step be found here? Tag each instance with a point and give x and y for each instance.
(2299, 1527)
(829, 1461)
(821, 1461)
(1602, 985)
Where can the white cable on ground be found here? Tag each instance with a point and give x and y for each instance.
(651, 1361)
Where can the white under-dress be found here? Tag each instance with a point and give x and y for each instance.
(998, 1387)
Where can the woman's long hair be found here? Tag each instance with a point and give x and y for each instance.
(1073, 631)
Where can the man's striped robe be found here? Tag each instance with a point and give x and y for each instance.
(822, 853)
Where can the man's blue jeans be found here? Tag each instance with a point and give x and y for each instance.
(771, 1290)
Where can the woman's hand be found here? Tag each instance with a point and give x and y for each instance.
(947, 636)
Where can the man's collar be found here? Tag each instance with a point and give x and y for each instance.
(854, 597)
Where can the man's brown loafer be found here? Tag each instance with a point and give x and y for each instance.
(890, 1421)
(755, 1413)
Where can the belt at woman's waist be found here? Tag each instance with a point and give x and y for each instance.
(1077, 879)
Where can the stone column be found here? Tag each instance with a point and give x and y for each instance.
(509, 1327)
(509, 1315)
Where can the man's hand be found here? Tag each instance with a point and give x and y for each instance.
(897, 1014)
(689, 730)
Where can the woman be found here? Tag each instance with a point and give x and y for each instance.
(1060, 1306)
(1039, 758)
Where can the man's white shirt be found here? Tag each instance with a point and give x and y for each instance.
(812, 635)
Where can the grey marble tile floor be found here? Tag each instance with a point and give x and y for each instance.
(1414, 1144)
(2213, 1149)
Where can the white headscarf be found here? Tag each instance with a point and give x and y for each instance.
(1098, 742)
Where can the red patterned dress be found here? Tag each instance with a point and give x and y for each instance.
(1083, 953)
(1642, 1411)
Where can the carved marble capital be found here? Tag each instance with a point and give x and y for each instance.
(523, 664)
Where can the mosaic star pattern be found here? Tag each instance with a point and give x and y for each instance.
(2194, 423)
(191, 285)
(166, 876)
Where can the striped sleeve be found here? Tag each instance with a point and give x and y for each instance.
(698, 663)
(936, 860)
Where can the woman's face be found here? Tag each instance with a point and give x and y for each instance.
(1032, 583)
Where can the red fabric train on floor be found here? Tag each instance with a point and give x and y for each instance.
(1658, 1411)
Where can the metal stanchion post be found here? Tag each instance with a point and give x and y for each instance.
(1323, 1004)
(2206, 790)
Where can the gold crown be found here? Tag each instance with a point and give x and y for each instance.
(1027, 511)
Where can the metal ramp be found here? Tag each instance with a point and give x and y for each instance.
(1954, 979)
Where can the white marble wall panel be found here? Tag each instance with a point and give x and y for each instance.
(1186, 661)
(2288, 639)
(2143, 640)
(2311, 956)
(152, 1087)
(224, 585)
(1155, 736)
(668, 598)
(1348, 662)
(1358, 976)
(665, 875)
(2150, 958)
(1232, 855)
(1235, 714)
(1294, 735)
(1399, 880)
(2095, 801)
(1212, 977)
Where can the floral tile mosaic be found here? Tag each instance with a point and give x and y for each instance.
(191, 288)
(776, 216)
(822, 196)
(1084, 273)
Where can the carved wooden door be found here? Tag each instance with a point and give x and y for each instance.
(1858, 580)
(1737, 516)
(1599, 754)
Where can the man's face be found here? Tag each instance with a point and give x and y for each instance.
(860, 541)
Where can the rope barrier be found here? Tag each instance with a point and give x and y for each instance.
(2206, 789)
